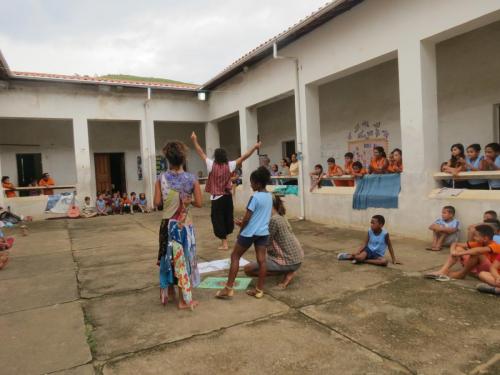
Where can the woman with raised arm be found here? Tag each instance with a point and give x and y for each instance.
(177, 190)
(219, 186)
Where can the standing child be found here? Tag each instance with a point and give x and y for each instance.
(474, 162)
(491, 162)
(374, 247)
(219, 185)
(445, 229)
(379, 163)
(284, 252)
(254, 231)
(101, 207)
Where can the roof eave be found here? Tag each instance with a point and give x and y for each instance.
(4, 67)
(96, 83)
(317, 19)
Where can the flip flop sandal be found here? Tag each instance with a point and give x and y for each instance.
(442, 278)
(432, 276)
(343, 256)
(228, 295)
(257, 293)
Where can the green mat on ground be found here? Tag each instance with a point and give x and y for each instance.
(241, 283)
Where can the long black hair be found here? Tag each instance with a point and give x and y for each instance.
(454, 159)
(278, 205)
(220, 156)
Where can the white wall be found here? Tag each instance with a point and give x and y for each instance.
(170, 131)
(229, 134)
(370, 95)
(468, 69)
(51, 138)
(276, 125)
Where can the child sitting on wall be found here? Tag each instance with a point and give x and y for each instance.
(474, 162)
(316, 177)
(456, 164)
(334, 170)
(373, 249)
(444, 230)
(475, 257)
(379, 163)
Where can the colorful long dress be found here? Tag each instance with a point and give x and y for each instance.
(177, 253)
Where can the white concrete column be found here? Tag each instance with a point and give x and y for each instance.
(308, 137)
(148, 154)
(2, 193)
(419, 115)
(82, 159)
(249, 131)
(212, 138)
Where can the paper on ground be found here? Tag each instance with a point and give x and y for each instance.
(218, 265)
(241, 283)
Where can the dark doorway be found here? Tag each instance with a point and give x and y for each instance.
(288, 148)
(29, 168)
(110, 172)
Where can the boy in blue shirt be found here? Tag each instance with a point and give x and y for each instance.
(374, 247)
(444, 230)
(254, 231)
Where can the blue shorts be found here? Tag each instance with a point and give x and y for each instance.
(370, 254)
(246, 242)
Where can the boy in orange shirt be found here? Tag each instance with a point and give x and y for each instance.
(333, 171)
(358, 171)
(475, 257)
(348, 161)
(6, 184)
(47, 181)
(126, 204)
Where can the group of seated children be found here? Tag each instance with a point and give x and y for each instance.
(116, 203)
(479, 256)
(379, 164)
(5, 244)
(471, 160)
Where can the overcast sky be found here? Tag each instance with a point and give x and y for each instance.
(185, 40)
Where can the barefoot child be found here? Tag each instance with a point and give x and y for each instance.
(284, 252)
(476, 256)
(491, 278)
(143, 203)
(254, 231)
(488, 217)
(219, 185)
(87, 210)
(374, 247)
(177, 190)
(101, 207)
(444, 230)
(126, 204)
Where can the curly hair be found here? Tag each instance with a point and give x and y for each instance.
(175, 152)
(261, 176)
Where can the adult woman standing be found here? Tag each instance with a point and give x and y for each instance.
(177, 190)
(219, 185)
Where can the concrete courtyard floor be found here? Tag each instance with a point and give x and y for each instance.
(81, 297)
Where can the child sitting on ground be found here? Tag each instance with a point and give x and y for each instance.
(444, 230)
(488, 217)
(379, 163)
(126, 204)
(116, 205)
(101, 207)
(254, 231)
(476, 256)
(87, 209)
(374, 247)
(5, 242)
(316, 177)
(284, 252)
(143, 203)
(134, 202)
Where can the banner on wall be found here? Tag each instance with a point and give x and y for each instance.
(363, 149)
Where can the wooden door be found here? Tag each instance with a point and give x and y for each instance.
(102, 172)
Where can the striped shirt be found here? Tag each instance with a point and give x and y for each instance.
(219, 178)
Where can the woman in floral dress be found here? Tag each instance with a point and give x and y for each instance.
(177, 190)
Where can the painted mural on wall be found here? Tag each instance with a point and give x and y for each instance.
(364, 137)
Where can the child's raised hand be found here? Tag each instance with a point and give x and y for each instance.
(193, 136)
(258, 145)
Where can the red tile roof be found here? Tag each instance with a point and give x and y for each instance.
(106, 81)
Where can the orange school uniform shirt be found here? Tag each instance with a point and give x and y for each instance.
(377, 164)
(347, 170)
(49, 182)
(9, 193)
(494, 249)
(393, 168)
(335, 171)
